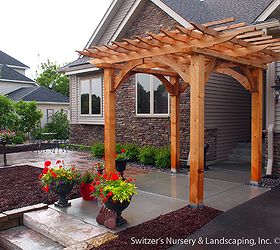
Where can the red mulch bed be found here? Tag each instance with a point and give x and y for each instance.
(19, 187)
(178, 224)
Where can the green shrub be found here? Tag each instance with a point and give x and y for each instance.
(132, 151)
(119, 148)
(97, 150)
(163, 157)
(18, 140)
(36, 133)
(58, 125)
(147, 155)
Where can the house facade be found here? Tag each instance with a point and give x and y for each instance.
(17, 86)
(143, 104)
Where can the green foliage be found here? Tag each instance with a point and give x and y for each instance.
(162, 157)
(8, 116)
(98, 150)
(58, 125)
(119, 147)
(50, 77)
(132, 151)
(147, 155)
(18, 140)
(87, 177)
(28, 114)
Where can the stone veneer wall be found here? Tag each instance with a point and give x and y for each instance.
(149, 130)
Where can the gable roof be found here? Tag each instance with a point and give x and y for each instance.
(181, 10)
(10, 61)
(38, 94)
(209, 10)
(7, 73)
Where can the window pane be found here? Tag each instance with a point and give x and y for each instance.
(85, 89)
(143, 94)
(160, 97)
(96, 96)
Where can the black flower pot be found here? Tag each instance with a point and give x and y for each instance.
(117, 207)
(121, 166)
(62, 191)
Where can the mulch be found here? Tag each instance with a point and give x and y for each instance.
(19, 187)
(178, 224)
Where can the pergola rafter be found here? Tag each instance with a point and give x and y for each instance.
(192, 54)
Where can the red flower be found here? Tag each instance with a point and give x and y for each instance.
(82, 184)
(40, 176)
(48, 163)
(45, 170)
(53, 174)
(46, 189)
(110, 194)
(60, 166)
(91, 188)
(114, 177)
(58, 161)
(130, 179)
(101, 190)
(123, 150)
(73, 168)
(105, 200)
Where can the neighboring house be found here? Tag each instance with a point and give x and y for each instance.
(48, 101)
(143, 109)
(15, 85)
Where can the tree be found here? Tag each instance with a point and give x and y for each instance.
(8, 116)
(49, 77)
(29, 115)
(59, 125)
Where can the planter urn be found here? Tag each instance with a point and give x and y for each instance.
(62, 191)
(85, 190)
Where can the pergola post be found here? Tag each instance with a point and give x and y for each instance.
(175, 125)
(256, 137)
(197, 96)
(110, 120)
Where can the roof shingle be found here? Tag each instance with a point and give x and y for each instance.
(9, 74)
(8, 60)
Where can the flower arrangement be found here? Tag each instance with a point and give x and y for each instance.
(99, 166)
(7, 135)
(53, 177)
(87, 177)
(112, 186)
(122, 155)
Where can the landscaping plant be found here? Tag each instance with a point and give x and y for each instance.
(53, 177)
(163, 157)
(98, 150)
(147, 155)
(122, 156)
(114, 187)
(132, 151)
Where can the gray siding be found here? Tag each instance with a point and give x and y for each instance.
(124, 8)
(228, 109)
(74, 98)
(277, 109)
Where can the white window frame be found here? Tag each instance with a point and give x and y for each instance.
(90, 97)
(151, 114)
(49, 115)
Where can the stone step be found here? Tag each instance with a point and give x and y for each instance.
(62, 228)
(24, 238)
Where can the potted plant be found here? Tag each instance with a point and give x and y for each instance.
(86, 186)
(99, 167)
(59, 180)
(121, 160)
(116, 194)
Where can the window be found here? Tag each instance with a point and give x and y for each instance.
(152, 96)
(91, 96)
(50, 112)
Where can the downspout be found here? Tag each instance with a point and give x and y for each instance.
(270, 115)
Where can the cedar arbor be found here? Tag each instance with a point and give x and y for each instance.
(191, 54)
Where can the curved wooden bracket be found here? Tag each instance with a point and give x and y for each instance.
(183, 71)
(250, 75)
(209, 68)
(169, 87)
(236, 75)
(126, 72)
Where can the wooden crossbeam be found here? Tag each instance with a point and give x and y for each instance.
(246, 51)
(218, 22)
(149, 42)
(126, 46)
(230, 27)
(137, 43)
(270, 41)
(162, 38)
(251, 34)
(256, 39)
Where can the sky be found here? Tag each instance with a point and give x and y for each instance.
(33, 31)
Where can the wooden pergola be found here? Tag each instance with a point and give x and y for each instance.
(191, 54)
